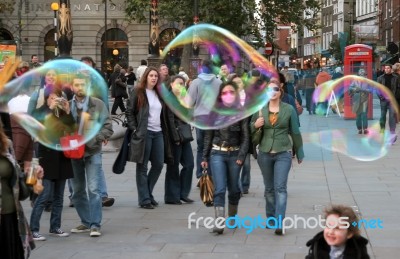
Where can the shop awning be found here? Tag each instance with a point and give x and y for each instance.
(326, 53)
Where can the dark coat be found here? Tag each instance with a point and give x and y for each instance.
(137, 122)
(118, 85)
(24, 230)
(55, 165)
(173, 123)
(356, 248)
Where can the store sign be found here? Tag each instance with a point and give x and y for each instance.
(360, 53)
(85, 7)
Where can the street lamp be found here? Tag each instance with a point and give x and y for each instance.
(55, 7)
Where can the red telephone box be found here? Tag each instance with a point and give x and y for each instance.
(356, 57)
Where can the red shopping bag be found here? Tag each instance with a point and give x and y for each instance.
(71, 146)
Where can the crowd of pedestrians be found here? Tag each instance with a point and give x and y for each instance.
(155, 137)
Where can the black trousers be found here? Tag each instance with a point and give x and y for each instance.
(118, 102)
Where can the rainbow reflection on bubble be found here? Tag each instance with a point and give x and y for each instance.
(222, 47)
(50, 88)
(344, 137)
(339, 86)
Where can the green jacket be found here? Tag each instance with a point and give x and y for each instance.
(276, 137)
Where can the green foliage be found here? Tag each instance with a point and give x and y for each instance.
(241, 17)
(335, 50)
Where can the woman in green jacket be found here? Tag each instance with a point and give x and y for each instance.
(278, 121)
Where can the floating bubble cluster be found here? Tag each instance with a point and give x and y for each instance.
(40, 101)
(201, 104)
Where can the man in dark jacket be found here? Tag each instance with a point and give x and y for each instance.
(118, 89)
(390, 81)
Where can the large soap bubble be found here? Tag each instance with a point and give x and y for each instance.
(354, 138)
(200, 104)
(41, 101)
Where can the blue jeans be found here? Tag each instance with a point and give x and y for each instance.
(57, 186)
(200, 147)
(275, 170)
(177, 185)
(310, 104)
(153, 152)
(361, 120)
(245, 177)
(226, 174)
(103, 186)
(87, 203)
(385, 106)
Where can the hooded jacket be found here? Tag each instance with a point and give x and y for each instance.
(202, 94)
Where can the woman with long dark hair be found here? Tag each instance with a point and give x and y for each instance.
(178, 184)
(147, 118)
(57, 167)
(226, 150)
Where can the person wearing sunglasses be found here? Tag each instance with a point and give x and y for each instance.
(226, 149)
(278, 124)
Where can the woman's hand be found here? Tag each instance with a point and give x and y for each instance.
(204, 164)
(239, 162)
(65, 105)
(39, 172)
(53, 103)
(299, 161)
(259, 122)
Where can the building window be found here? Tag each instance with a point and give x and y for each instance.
(340, 6)
(49, 45)
(386, 9)
(5, 35)
(116, 40)
(335, 30)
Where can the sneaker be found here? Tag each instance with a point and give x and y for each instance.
(360, 132)
(107, 202)
(59, 232)
(95, 232)
(80, 229)
(38, 237)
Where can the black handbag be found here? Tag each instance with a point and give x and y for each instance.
(120, 161)
(185, 133)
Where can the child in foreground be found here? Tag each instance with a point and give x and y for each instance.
(340, 239)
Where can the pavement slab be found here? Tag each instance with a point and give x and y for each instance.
(323, 178)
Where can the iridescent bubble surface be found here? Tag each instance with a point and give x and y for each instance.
(359, 94)
(200, 104)
(40, 100)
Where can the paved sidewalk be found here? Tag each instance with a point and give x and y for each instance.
(324, 177)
